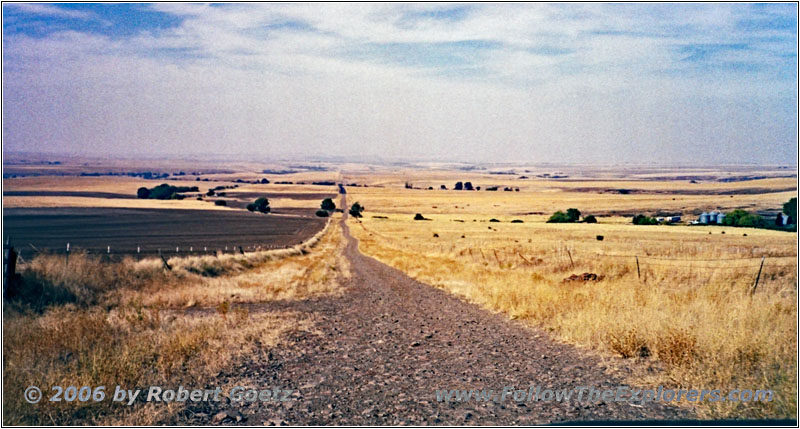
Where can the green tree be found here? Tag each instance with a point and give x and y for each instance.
(328, 204)
(356, 209)
(559, 217)
(589, 219)
(573, 214)
(261, 205)
(143, 193)
(790, 208)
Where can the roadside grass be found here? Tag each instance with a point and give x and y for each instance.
(109, 324)
(694, 323)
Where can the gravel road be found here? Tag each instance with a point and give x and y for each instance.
(389, 342)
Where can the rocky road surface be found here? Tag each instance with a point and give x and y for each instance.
(389, 342)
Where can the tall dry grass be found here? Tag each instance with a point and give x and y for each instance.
(126, 324)
(693, 321)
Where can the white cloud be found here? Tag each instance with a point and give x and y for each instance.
(543, 82)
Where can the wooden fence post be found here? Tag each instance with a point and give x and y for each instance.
(164, 260)
(572, 264)
(638, 272)
(758, 276)
(9, 266)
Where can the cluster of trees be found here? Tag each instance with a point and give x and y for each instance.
(641, 219)
(260, 205)
(572, 215)
(165, 192)
(326, 208)
(466, 186)
(742, 218)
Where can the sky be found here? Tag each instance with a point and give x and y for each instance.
(655, 83)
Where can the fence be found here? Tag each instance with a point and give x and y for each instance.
(505, 257)
(141, 252)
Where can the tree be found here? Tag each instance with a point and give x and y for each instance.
(589, 219)
(459, 186)
(356, 209)
(790, 208)
(443, 187)
(261, 205)
(559, 217)
(328, 204)
(322, 213)
(573, 214)
(468, 186)
(143, 193)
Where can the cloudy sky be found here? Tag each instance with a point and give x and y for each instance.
(634, 83)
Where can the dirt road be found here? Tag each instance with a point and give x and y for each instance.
(389, 342)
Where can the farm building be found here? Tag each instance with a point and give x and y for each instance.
(713, 217)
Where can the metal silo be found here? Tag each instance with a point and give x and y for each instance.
(704, 218)
(720, 218)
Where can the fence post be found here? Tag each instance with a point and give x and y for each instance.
(9, 266)
(164, 260)
(758, 276)
(572, 264)
(638, 272)
(66, 257)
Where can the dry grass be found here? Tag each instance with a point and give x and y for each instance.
(125, 324)
(694, 320)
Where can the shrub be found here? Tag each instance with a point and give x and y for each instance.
(493, 220)
(516, 221)
(590, 219)
(322, 213)
(468, 186)
(419, 216)
(559, 217)
(251, 207)
(143, 193)
(356, 209)
(328, 204)
(459, 186)
(220, 203)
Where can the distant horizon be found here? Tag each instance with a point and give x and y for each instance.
(602, 83)
(217, 158)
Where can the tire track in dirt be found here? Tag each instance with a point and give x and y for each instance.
(388, 343)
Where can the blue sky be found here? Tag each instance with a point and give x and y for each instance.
(640, 83)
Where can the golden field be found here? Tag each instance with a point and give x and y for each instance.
(686, 318)
(127, 186)
(136, 324)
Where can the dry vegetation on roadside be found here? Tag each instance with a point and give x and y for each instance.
(692, 320)
(127, 324)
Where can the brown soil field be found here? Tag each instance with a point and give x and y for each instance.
(93, 229)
